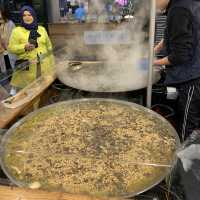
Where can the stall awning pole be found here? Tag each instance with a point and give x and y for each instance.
(151, 50)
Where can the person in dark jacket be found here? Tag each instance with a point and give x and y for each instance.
(182, 44)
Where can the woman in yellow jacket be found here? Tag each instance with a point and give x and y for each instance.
(27, 41)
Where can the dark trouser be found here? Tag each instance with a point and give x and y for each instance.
(186, 184)
(188, 108)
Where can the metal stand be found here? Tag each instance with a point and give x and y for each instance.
(151, 51)
(38, 71)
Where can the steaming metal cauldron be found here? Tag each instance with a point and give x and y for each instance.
(100, 147)
(102, 76)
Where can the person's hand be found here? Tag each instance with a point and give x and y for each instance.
(157, 49)
(29, 47)
(159, 46)
(3, 44)
(162, 61)
(156, 62)
(158, 65)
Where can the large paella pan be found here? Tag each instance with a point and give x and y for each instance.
(99, 147)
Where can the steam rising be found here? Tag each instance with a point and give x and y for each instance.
(124, 66)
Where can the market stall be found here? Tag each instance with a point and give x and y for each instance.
(96, 147)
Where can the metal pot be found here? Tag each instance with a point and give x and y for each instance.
(105, 76)
(146, 184)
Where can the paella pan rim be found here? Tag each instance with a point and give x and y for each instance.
(69, 102)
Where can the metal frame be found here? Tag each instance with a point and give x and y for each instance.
(151, 50)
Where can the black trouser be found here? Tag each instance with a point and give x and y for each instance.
(188, 108)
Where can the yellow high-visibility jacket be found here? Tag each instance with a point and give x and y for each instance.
(17, 42)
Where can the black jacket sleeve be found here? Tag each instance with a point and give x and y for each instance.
(180, 33)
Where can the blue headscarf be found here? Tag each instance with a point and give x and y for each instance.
(33, 36)
(34, 25)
